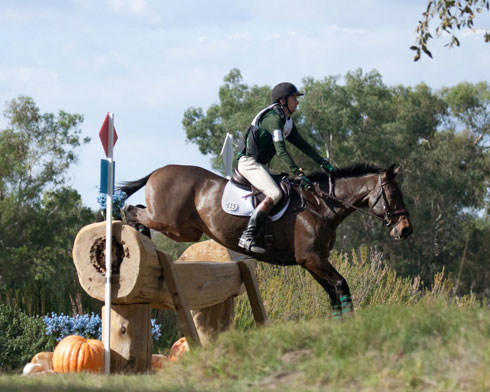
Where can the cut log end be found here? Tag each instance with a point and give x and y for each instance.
(136, 271)
(97, 255)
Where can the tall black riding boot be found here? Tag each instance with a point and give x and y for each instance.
(255, 223)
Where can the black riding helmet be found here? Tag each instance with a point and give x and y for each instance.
(283, 91)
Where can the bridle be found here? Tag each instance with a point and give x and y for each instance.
(387, 218)
(388, 212)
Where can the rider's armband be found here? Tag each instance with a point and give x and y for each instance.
(278, 135)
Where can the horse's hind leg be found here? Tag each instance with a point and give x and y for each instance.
(131, 214)
(139, 216)
(333, 283)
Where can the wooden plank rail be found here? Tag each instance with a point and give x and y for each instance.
(205, 279)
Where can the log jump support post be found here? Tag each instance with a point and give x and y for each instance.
(199, 287)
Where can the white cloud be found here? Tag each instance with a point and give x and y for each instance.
(347, 30)
(240, 36)
(25, 15)
(27, 75)
(474, 32)
(138, 8)
(273, 36)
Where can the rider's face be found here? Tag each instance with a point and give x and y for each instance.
(292, 104)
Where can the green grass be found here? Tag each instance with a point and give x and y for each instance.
(427, 346)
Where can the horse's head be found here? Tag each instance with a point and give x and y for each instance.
(386, 201)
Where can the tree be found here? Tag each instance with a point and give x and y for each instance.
(238, 103)
(453, 15)
(439, 138)
(441, 141)
(39, 216)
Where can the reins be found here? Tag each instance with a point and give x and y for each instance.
(324, 196)
(386, 219)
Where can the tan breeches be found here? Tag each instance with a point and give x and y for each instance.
(258, 175)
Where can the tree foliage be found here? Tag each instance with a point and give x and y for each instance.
(440, 139)
(232, 114)
(39, 215)
(453, 15)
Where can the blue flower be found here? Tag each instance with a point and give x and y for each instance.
(118, 199)
(155, 330)
(88, 326)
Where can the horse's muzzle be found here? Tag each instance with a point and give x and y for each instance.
(402, 229)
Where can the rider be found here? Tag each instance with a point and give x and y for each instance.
(265, 136)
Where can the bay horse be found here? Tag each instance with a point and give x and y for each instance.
(183, 202)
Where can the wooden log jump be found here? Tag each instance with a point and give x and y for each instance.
(144, 278)
(212, 320)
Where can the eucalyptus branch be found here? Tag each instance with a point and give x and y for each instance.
(453, 15)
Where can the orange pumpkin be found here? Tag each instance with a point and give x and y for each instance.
(178, 349)
(158, 361)
(77, 354)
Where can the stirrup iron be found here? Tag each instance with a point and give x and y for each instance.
(250, 246)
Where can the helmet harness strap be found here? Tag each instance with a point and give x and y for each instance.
(286, 105)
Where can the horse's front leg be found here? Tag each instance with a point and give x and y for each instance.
(333, 283)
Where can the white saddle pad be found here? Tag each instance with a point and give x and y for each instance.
(237, 201)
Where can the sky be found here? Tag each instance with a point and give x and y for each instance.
(148, 61)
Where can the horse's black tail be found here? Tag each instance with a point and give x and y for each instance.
(130, 187)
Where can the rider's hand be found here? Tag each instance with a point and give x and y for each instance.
(327, 166)
(305, 181)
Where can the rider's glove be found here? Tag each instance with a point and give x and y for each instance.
(305, 181)
(327, 166)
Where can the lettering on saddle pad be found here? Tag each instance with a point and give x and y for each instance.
(231, 206)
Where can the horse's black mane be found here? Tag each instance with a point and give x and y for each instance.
(356, 170)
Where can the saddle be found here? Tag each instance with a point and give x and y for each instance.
(257, 196)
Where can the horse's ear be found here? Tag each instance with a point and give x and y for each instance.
(392, 171)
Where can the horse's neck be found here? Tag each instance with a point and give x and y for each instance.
(355, 191)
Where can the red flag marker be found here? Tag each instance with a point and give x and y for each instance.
(104, 135)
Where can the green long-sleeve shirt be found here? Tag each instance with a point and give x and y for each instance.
(271, 134)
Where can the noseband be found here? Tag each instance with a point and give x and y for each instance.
(388, 212)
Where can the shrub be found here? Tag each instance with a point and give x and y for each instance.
(290, 293)
(21, 338)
